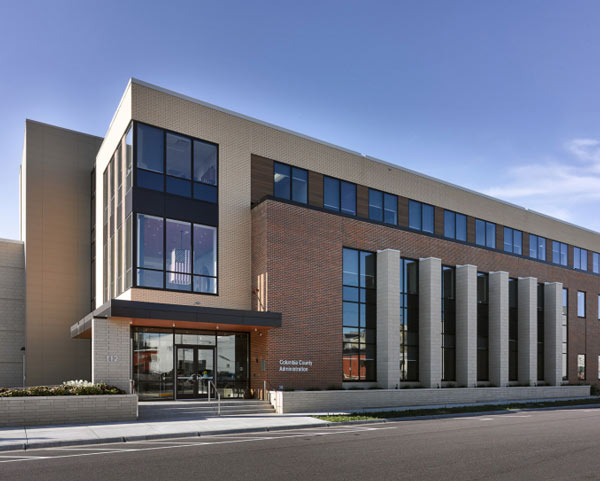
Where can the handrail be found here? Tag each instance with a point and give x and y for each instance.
(218, 395)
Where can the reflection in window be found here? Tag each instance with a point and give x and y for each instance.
(153, 363)
(383, 207)
(290, 183)
(595, 263)
(559, 253)
(150, 148)
(448, 323)
(205, 259)
(179, 255)
(482, 327)
(580, 304)
(339, 195)
(455, 226)
(581, 367)
(409, 320)
(358, 316)
(420, 216)
(537, 247)
(485, 233)
(580, 259)
(513, 241)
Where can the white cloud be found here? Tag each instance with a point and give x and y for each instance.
(568, 189)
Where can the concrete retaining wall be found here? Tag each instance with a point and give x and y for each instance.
(350, 400)
(47, 410)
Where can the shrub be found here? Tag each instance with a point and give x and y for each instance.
(69, 388)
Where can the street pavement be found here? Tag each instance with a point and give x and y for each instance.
(522, 445)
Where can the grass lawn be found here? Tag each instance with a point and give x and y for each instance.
(454, 410)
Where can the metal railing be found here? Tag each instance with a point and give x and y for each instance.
(217, 395)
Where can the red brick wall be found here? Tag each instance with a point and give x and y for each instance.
(301, 250)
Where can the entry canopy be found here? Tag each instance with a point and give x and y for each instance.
(158, 314)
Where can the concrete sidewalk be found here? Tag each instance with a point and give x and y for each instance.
(48, 436)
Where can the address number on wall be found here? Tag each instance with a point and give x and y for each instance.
(112, 358)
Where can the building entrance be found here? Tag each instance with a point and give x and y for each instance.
(195, 369)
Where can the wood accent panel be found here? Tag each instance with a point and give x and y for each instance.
(569, 256)
(438, 216)
(362, 201)
(471, 229)
(315, 189)
(499, 237)
(403, 211)
(525, 243)
(261, 178)
(549, 250)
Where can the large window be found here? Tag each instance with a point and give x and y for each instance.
(580, 304)
(537, 247)
(339, 195)
(581, 367)
(565, 336)
(166, 259)
(513, 329)
(513, 241)
(290, 183)
(580, 259)
(482, 327)
(176, 163)
(540, 332)
(485, 233)
(559, 253)
(359, 316)
(409, 320)
(383, 207)
(595, 263)
(420, 216)
(448, 323)
(455, 226)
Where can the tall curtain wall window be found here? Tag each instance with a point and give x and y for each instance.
(409, 320)
(339, 195)
(537, 247)
(290, 183)
(540, 332)
(580, 257)
(176, 255)
(513, 329)
(559, 253)
(117, 235)
(383, 207)
(93, 241)
(482, 326)
(448, 323)
(565, 335)
(513, 241)
(359, 316)
(176, 164)
(455, 226)
(485, 233)
(420, 216)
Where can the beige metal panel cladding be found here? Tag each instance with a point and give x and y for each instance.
(56, 210)
(241, 136)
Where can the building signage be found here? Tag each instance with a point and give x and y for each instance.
(294, 365)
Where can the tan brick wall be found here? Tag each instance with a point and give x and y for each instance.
(111, 352)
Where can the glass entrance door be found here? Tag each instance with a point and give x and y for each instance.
(195, 368)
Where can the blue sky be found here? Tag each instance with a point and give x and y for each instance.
(498, 96)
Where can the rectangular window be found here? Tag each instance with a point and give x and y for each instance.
(409, 320)
(599, 307)
(513, 329)
(580, 304)
(482, 327)
(339, 195)
(579, 259)
(595, 263)
(290, 183)
(559, 253)
(455, 226)
(537, 247)
(485, 233)
(420, 216)
(540, 332)
(128, 158)
(598, 367)
(581, 367)
(513, 241)
(358, 316)
(390, 209)
(448, 323)
(376, 205)
(176, 255)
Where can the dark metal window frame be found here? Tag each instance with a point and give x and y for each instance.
(512, 240)
(421, 205)
(486, 223)
(340, 182)
(581, 253)
(404, 311)
(455, 216)
(444, 327)
(291, 189)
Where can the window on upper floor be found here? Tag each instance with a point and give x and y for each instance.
(513, 241)
(420, 216)
(580, 304)
(339, 195)
(559, 253)
(290, 183)
(383, 207)
(580, 258)
(485, 233)
(595, 263)
(455, 226)
(537, 247)
(175, 163)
